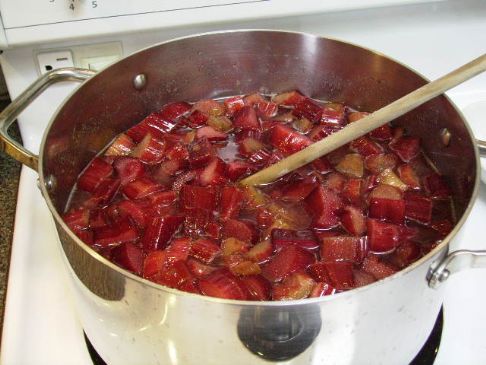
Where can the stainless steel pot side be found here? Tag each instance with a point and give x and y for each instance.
(130, 320)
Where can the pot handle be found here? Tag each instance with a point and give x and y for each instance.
(10, 113)
(453, 263)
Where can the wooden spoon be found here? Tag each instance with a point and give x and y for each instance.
(368, 123)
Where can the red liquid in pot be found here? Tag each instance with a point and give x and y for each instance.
(163, 201)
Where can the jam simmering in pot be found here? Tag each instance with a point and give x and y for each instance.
(163, 200)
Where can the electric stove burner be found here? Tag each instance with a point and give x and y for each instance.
(426, 356)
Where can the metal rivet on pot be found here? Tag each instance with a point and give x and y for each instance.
(139, 81)
(445, 136)
(51, 183)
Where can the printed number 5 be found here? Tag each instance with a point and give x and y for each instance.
(94, 4)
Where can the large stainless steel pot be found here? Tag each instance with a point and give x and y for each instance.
(133, 321)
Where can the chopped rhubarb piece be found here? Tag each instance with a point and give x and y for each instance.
(150, 150)
(209, 107)
(351, 165)
(199, 269)
(333, 113)
(322, 165)
(220, 123)
(307, 108)
(198, 197)
(418, 207)
(383, 191)
(234, 104)
(210, 134)
(261, 252)
(132, 209)
(248, 146)
(380, 162)
(152, 124)
(289, 259)
(406, 147)
(77, 219)
(213, 230)
(365, 146)
(287, 139)
(241, 266)
(159, 231)
(323, 205)
(201, 152)
(374, 266)
(303, 238)
(319, 132)
(355, 116)
(128, 169)
(303, 125)
(223, 284)
(383, 133)
(352, 191)
(383, 237)
(353, 220)
(392, 211)
(258, 287)
(196, 221)
(388, 177)
(231, 246)
(238, 169)
(298, 190)
(97, 218)
(154, 263)
(104, 193)
(121, 146)
(241, 230)
(116, 234)
(129, 256)
(405, 254)
(340, 274)
(140, 188)
(176, 275)
(174, 110)
(436, 186)
(335, 182)
(409, 176)
(260, 158)
(362, 278)
(205, 250)
(231, 202)
(197, 119)
(321, 289)
(178, 250)
(182, 180)
(213, 173)
(162, 198)
(343, 248)
(97, 171)
(291, 98)
(166, 170)
(318, 272)
(297, 285)
(246, 118)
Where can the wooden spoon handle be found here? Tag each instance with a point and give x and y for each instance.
(368, 123)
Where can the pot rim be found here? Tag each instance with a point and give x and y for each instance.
(128, 275)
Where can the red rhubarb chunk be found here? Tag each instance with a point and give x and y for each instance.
(241, 230)
(153, 263)
(291, 98)
(116, 234)
(297, 285)
(353, 220)
(198, 197)
(140, 188)
(209, 107)
(200, 153)
(408, 175)
(374, 266)
(128, 169)
(352, 191)
(97, 171)
(383, 237)
(308, 109)
(174, 110)
(246, 118)
(258, 287)
(121, 146)
(234, 104)
(135, 210)
(223, 284)
(287, 139)
(104, 193)
(150, 150)
(289, 259)
(261, 252)
(179, 249)
(303, 238)
(392, 211)
(210, 134)
(238, 169)
(176, 275)
(231, 202)
(205, 250)
(198, 268)
(159, 231)
(436, 186)
(213, 173)
(77, 219)
(342, 248)
(418, 207)
(340, 274)
(129, 256)
(405, 254)
(365, 146)
(299, 190)
(323, 204)
(406, 147)
(321, 289)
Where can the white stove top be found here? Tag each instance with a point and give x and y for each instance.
(41, 326)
